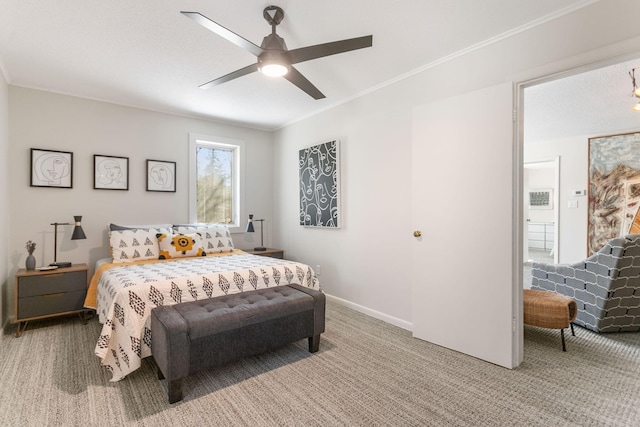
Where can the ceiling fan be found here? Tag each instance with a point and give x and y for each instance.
(274, 59)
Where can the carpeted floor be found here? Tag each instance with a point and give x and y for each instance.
(367, 373)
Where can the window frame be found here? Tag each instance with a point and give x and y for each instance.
(238, 146)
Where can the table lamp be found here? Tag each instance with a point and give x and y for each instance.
(78, 234)
(250, 229)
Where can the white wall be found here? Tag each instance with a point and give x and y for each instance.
(367, 262)
(46, 120)
(5, 282)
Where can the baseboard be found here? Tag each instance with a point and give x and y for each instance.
(373, 313)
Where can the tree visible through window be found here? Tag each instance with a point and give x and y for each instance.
(215, 183)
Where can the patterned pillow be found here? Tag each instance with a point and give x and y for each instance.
(134, 245)
(116, 227)
(215, 238)
(180, 245)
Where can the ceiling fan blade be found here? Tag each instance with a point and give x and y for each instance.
(223, 32)
(318, 51)
(234, 75)
(295, 77)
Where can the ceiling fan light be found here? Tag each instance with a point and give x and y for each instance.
(636, 92)
(273, 69)
(636, 107)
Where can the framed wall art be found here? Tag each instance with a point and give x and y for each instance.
(319, 176)
(51, 168)
(161, 176)
(541, 198)
(110, 172)
(614, 188)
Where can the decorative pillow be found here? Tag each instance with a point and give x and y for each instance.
(134, 245)
(116, 227)
(180, 245)
(215, 237)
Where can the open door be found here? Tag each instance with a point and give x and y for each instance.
(464, 191)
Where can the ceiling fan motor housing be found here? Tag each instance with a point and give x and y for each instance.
(275, 52)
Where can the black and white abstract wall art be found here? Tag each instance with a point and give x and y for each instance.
(320, 186)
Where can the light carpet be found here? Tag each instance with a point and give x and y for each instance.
(367, 373)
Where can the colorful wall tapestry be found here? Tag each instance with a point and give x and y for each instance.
(614, 188)
(319, 186)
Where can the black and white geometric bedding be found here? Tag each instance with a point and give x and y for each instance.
(128, 292)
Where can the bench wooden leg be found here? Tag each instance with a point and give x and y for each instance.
(314, 343)
(174, 390)
(564, 348)
(572, 332)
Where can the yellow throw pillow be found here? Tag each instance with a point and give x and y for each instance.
(180, 245)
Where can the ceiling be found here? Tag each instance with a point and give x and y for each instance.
(145, 54)
(593, 103)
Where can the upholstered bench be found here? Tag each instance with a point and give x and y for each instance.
(197, 335)
(549, 310)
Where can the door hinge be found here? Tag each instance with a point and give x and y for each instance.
(515, 115)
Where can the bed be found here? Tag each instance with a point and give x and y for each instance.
(164, 265)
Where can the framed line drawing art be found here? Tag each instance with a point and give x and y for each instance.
(320, 185)
(110, 172)
(161, 176)
(51, 168)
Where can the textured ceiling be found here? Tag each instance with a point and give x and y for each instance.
(145, 54)
(591, 103)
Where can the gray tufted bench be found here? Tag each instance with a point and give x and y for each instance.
(198, 335)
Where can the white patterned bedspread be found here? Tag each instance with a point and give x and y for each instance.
(127, 294)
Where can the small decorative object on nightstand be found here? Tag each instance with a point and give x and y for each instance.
(41, 293)
(270, 252)
(30, 263)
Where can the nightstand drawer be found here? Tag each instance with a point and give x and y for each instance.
(29, 286)
(53, 303)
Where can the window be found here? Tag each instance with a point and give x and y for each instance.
(214, 180)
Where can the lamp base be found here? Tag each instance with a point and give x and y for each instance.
(259, 248)
(60, 264)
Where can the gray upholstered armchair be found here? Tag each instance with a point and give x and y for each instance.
(606, 285)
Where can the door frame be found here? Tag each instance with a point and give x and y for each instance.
(609, 55)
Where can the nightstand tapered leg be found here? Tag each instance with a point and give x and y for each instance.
(20, 331)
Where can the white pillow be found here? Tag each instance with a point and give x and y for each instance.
(134, 245)
(215, 237)
(180, 245)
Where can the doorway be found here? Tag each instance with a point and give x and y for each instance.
(558, 116)
(541, 227)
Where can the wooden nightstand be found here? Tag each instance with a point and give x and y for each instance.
(43, 294)
(270, 252)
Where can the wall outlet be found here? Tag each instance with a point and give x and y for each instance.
(573, 204)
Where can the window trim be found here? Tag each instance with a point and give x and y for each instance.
(238, 145)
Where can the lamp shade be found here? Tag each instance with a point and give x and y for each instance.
(250, 228)
(78, 233)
